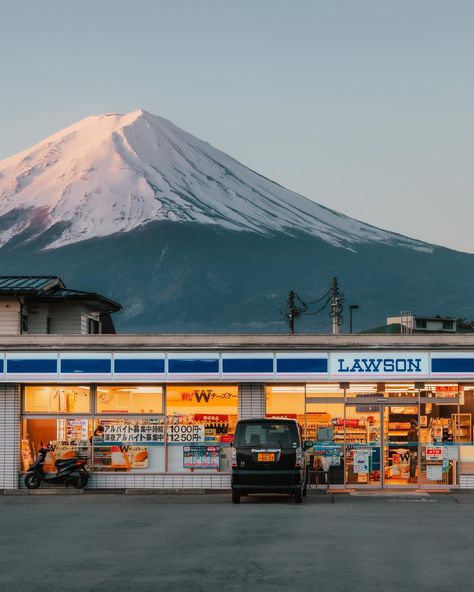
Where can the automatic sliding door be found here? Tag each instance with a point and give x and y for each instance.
(401, 449)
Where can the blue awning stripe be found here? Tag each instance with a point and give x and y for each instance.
(193, 366)
(33, 366)
(448, 365)
(302, 365)
(139, 366)
(247, 365)
(86, 366)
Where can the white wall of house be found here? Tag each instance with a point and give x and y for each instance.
(9, 316)
(38, 314)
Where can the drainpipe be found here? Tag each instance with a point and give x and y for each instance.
(21, 314)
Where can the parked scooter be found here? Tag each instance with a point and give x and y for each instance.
(71, 471)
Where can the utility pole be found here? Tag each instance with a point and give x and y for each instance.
(293, 310)
(336, 307)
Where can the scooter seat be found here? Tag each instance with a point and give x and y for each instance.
(65, 462)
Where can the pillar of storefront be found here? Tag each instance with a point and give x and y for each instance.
(9, 435)
(251, 400)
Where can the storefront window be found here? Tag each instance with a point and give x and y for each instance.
(358, 390)
(443, 391)
(129, 399)
(324, 390)
(66, 438)
(286, 401)
(56, 399)
(125, 444)
(201, 424)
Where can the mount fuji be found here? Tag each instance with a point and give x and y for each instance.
(189, 239)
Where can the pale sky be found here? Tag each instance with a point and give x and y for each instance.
(364, 106)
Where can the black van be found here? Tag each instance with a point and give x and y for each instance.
(268, 456)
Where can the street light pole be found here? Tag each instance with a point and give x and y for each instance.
(351, 308)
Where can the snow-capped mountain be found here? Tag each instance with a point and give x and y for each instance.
(114, 173)
(188, 239)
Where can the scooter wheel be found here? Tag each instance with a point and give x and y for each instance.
(80, 482)
(32, 481)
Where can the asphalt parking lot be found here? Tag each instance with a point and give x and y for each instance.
(204, 543)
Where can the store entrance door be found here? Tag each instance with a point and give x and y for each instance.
(380, 451)
(401, 443)
(363, 445)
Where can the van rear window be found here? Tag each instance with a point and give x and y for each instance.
(276, 433)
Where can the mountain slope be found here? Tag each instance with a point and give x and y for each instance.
(201, 278)
(114, 173)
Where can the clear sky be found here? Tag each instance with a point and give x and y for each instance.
(365, 106)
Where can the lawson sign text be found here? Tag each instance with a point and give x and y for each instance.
(379, 364)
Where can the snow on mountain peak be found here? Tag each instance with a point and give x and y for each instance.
(112, 173)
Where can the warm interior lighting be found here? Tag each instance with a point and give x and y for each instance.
(287, 389)
(323, 388)
(362, 388)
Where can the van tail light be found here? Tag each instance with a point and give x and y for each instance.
(299, 458)
(234, 458)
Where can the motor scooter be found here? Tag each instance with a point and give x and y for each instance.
(71, 471)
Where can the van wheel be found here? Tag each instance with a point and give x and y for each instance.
(299, 496)
(235, 497)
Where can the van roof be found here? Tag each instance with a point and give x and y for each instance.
(267, 420)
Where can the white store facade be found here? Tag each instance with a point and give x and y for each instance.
(159, 411)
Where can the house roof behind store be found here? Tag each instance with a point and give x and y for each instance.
(28, 284)
(51, 288)
(64, 294)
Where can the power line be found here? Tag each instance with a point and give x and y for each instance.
(295, 307)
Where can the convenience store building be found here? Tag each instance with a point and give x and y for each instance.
(159, 411)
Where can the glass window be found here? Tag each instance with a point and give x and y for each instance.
(442, 390)
(66, 438)
(129, 399)
(286, 401)
(324, 390)
(362, 390)
(126, 444)
(199, 414)
(56, 399)
(265, 433)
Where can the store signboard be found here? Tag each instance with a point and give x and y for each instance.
(201, 457)
(207, 398)
(182, 433)
(361, 460)
(362, 365)
(434, 453)
(133, 432)
(151, 433)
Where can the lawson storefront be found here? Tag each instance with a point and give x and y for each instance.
(160, 412)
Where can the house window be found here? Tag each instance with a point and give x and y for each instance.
(24, 323)
(421, 323)
(94, 327)
(48, 325)
(448, 325)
